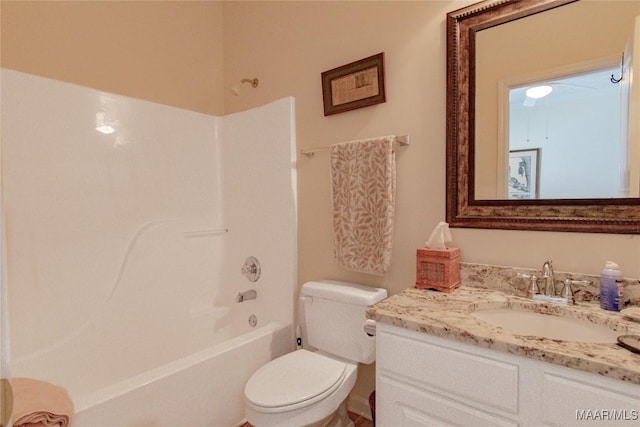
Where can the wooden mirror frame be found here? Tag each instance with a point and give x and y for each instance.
(614, 215)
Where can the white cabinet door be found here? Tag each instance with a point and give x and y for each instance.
(568, 401)
(423, 380)
(420, 383)
(403, 405)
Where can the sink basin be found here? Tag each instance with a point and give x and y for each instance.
(523, 322)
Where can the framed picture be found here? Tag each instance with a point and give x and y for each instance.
(355, 85)
(524, 174)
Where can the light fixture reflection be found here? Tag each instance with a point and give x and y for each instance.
(537, 92)
(106, 129)
(102, 126)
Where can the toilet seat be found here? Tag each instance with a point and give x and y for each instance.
(293, 381)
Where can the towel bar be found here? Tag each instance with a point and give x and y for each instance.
(311, 152)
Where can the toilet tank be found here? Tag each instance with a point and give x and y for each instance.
(334, 314)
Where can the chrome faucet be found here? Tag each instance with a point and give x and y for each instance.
(549, 293)
(549, 279)
(245, 296)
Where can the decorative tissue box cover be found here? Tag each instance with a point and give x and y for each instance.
(438, 269)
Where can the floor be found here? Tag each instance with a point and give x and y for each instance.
(357, 420)
(360, 421)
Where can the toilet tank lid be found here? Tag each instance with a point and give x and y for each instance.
(350, 293)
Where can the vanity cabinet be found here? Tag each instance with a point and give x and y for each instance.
(423, 380)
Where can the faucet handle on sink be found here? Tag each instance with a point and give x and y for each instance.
(533, 288)
(567, 289)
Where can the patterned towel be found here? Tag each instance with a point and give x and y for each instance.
(363, 181)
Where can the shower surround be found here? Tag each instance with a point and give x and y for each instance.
(124, 249)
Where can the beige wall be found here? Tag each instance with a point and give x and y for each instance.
(287, 45)
(167, 52)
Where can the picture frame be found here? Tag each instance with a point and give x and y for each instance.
(523, 181)
(355, 85)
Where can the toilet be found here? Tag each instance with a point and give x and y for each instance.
(310, 388)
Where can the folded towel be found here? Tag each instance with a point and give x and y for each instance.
(39, 403)
(363, 181)
(6, 402)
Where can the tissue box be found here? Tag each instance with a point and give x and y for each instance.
(438, 269)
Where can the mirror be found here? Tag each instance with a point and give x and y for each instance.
(483, 74)
(556, 136)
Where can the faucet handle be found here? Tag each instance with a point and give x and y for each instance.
(533, 288)
(567, 289)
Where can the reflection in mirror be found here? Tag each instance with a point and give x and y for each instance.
(558, 138)
(513, 160)
(573, 50)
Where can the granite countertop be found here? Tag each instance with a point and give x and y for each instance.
(449, 316)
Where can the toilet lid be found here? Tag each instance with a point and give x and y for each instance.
(295, 378)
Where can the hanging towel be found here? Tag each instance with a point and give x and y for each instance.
(363, 183)
(39, 403)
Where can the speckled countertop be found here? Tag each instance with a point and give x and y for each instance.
(449, 316)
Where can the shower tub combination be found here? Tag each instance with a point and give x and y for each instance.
(202, 389)
(128, 249)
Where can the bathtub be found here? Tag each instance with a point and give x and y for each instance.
(170, 360)
(205, 388)
(174, 370)
(122, 272)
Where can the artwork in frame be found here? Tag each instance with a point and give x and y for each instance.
(355, 85)
(524, 174)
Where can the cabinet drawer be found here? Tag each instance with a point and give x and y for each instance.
(434, 363)
(569, 401)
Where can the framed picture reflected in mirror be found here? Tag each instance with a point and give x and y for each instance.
(524, 174)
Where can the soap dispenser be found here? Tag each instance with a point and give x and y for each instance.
(611, 286)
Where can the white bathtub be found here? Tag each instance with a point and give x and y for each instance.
(138, 371)
(203, 389)
(153, 355)
(122, 271)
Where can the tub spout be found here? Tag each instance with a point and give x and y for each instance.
(245, 296)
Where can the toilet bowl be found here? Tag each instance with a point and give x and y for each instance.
(302, 388)
(310, 388)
